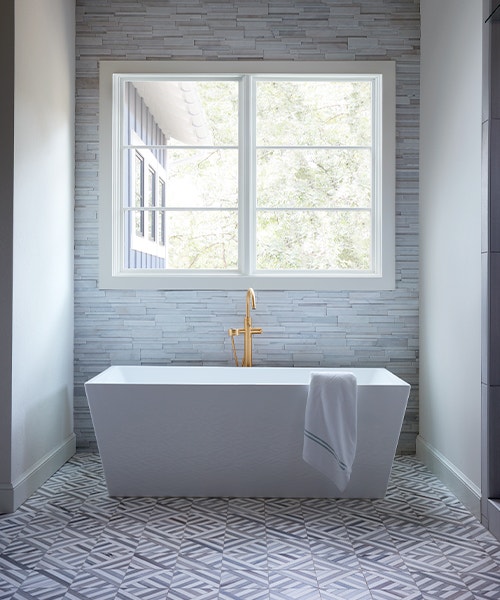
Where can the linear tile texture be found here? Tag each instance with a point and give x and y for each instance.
(71, 540)
(300, 328)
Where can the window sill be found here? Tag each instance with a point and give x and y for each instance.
(235, 281)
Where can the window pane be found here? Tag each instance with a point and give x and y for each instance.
(314, 178)
(151, 193)
(314, 113)
(142, 251)
(219, 100)
(192, 178)
(193, 240)
(202, 240)
(192, 113)
(313, 240)
(161, 215)
(139, 192)
(202, 178)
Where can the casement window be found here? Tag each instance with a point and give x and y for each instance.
(226, 175)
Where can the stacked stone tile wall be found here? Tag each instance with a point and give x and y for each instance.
(339, 329)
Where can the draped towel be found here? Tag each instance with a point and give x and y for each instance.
(330, 431)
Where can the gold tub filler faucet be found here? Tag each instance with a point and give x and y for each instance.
(247, 332)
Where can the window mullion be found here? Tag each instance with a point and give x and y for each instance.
(247, 176)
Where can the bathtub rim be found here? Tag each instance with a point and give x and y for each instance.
(230, 375)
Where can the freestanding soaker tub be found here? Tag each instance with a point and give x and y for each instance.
(224, 431)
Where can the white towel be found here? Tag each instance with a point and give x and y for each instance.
(330, 431)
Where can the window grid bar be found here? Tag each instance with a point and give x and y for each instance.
(235, 208)
(178, 209)
(314, 209)
(230, 147)
(252, 171)
(163, 147)
(368, 148)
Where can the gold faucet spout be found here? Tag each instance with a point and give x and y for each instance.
(247, 331)
(250, 300)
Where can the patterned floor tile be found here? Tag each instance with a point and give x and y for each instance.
(179, 593)
(325, 545)
(335, 532)
(344, 561)
(92, 592)
(246, 506)
(245, 553)
(148, 578)
(7, 591)
(141, 593)
(213, 506)
(375, 541)
(492, 549)
(151, 554)
(289, 545)
(465, 555)
(287, 526)
(484, 585)
(200, 559)
(425, 555)
(391, 584)
(69, 551)
(25, 553)
(286, 555)
(195, 581)
(246, 560)
(243, 593)
(253, 525)
(100, 504)
(111, 553)
(48, 523)
(444, 585)
(166, 527)
(340, 578)
(236, 579)
(319, 506)
(86, 525)
(283, 505)
(71, 540)
(352, 594)
(45, 578)
(200, 524)
(12, 578)
(301, 593)
(93, 578)
(292, 579)
(212, 540)
(375, 562)
(406, 536)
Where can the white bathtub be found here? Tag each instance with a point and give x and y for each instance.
(225, 431)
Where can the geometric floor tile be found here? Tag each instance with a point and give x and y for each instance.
(71, 541)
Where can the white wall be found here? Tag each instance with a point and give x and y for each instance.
(450, 243)
(42, 314)
(6, 202)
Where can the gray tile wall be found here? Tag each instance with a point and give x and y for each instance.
(300, 328)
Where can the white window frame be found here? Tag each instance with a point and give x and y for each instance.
(112, 274)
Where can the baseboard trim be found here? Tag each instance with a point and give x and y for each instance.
(12, 495)
(464, 489)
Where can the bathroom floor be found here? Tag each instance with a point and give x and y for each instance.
(70, 540)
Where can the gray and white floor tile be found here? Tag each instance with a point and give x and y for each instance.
(71, 541)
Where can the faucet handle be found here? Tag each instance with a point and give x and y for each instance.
(232, 332)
